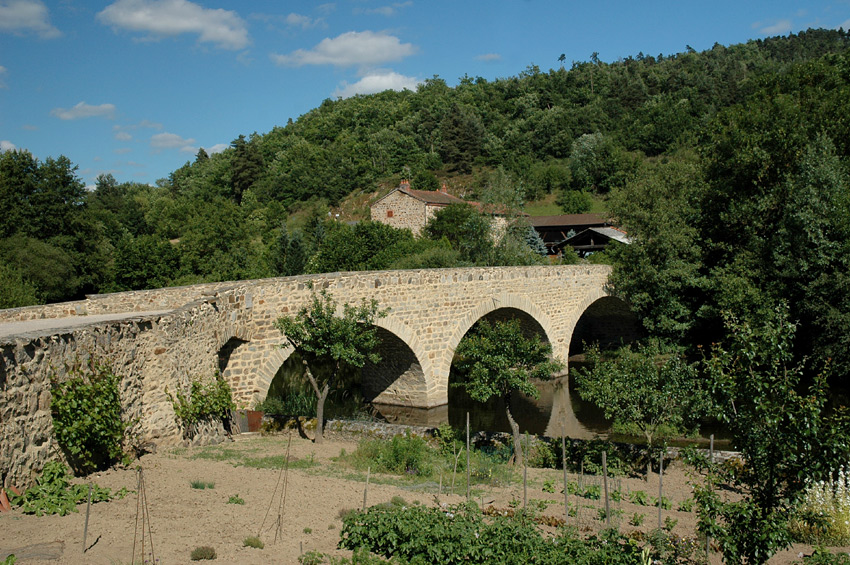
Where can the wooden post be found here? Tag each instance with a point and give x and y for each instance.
(86, 527)
(467, 456)
(564, 464)
(366, 489)
(710, 461)
(525, 474)
(605, 488)
(660, 485)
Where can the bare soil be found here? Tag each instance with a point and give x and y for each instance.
(182, 518)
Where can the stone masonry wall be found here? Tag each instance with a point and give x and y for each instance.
(407, 212)
(429, 312)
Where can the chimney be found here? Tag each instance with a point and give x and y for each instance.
(445, 188)
(405, 184)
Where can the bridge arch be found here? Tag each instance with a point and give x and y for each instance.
(400, 377)
(502, 301)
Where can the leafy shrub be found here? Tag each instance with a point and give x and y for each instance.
(293, 404)
(253, 541)
(87, 418)
(201, 485)
(639, 497)
(592, 492)
(542, 456)
(637, 519)
(686, 505)
(308, 530)
(407, 454)
(53, 493)
(548, 486)
(206, 402)
(823, 557)
(202, 552)
(459, 534)
(824, 512)
(235, 499)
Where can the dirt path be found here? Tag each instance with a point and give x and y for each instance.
(182, 517)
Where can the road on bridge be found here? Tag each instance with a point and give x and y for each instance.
(50, 326)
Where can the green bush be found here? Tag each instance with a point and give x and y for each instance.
(253, 541)
(53, 493)
(407, 454)
(235, 499)
(203, 552)
(460, 534)
(87, 418)
(205, 402)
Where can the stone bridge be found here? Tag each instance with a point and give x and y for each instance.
(159, 340)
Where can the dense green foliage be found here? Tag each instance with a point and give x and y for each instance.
(260, 207)
(206, 401)
(461, 534)
(786, 437)
(648, 385)
(499, 360)
(53, 493)
(87, 417)
(328, 343)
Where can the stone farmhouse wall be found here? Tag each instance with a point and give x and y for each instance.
(230, 328)
(401, 210)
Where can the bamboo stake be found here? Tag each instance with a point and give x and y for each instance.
(564, 464)
(86, 527)
(660, 485)
(605, 488)
(366, 488)
(467, 457)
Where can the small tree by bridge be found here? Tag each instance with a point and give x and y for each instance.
(326, 340)
(498, 360)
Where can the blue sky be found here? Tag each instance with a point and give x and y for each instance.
(135, 87)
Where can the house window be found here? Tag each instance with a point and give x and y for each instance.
(389, 213)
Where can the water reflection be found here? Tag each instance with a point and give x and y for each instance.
(554, 413)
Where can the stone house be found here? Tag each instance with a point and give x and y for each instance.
(411, 209)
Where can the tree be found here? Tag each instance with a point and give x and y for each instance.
(650, 386)
(786, 437)
(15, 290)
(332, 342)
(499, 360)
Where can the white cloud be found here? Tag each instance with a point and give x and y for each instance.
(377, 82)
(326, 9)
(304, 22)
(122, 151)
(217, 148)
(123, 136)
(6, 145)
(351, 48)
(172, 17)
(167, 140)
(845, 26)
(778, 27)
(389, 10)
(83, 110)
(2, 72)
(488, 57)
(22, 16)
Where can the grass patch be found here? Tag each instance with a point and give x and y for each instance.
(253, 541)
(202, 553)
(201, 485)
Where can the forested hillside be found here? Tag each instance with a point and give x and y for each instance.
(728, 167)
